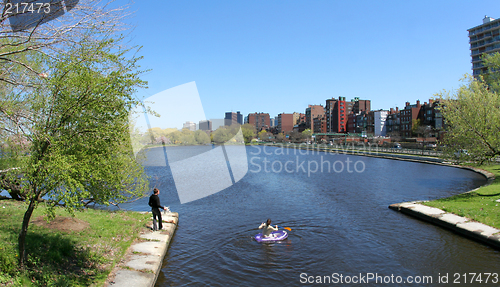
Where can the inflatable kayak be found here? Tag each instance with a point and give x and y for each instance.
(274, 236)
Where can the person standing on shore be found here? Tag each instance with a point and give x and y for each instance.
(154, 202)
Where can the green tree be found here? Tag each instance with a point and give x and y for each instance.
(416, 127)
(492, 78)
(280, 137)
(187, 137)
(263, 135)
(175, 137)
(295, 136)
(201, 137)
(307, 133)
(472, 114)
(77, 126)
(248, 132)
(222, 135)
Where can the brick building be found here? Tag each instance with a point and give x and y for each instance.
(260, 121)
(407, 117)
(393, 122)
(336, 112)
(285, 123)
(313, 111)
(319, 124)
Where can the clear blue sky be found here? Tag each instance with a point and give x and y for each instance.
(280, 56)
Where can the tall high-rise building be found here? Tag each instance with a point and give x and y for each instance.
(217, 123)
(483, 39)
(239, 117)
(233, 118)
(205, 125)
(337, 112)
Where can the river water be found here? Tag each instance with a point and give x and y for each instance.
(342, 228)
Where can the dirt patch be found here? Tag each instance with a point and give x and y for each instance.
(62, 223)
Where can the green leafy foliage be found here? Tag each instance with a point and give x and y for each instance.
(492, 78)
(225, 133)
(248, 132)
(472, 115)
(77, 131)
(201, 137)
(80, 147)
(307, 133)
(263, 135)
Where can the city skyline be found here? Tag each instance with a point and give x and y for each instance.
(271, 57)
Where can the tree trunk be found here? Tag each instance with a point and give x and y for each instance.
(24, 231)
(11, 184)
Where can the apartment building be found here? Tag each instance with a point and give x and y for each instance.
(261, 121)
(319, 124)
(313, 111)
(407, 117)
(336, 112)
(393, 122)
(285, 123)
(484, 38)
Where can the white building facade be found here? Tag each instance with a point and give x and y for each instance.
(380, 123)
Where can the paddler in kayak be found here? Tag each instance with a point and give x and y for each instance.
(267, 228)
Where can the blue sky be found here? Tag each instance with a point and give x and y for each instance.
(280, 56)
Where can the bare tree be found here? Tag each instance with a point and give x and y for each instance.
(49, 32)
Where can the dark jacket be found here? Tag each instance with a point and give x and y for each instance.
(154, 201)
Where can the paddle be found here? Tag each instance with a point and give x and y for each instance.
(287, 228)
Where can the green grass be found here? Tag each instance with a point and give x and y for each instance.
(479, 205)
(65, 258)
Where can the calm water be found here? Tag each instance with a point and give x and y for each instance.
(340, 223)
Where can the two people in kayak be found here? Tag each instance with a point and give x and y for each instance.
(267, 228)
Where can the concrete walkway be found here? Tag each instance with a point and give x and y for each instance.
(464, 226)
(142, 263)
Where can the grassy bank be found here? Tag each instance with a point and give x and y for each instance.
(479, 205)
(68, 251)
